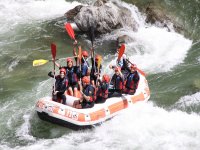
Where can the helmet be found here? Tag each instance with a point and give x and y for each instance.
(86, 80)
(133, 66)
(85, 53)
(106, 78)
(63, 70)
(97, 57)
(69, 60)
(117, 69)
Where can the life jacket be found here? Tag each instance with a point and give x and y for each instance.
(103, 90)
(71, 75)
(132, 81)
(89, 90)
(118, 82)
(84, 68)
(61, 84)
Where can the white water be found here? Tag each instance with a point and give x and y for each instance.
(153, 49)
(143, 127)
(190, 102)
(15, 12)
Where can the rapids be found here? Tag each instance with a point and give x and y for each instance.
(170, 119)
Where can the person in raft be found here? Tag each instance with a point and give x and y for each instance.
(72, 73)
(61, 85)
(102, 89)
(123, 64)
(118, 83)
(88, 95)
(96, 69)
(132, 80)
(84, 61)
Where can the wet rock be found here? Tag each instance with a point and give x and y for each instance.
(124, 39)
(104, 15)
(157, 16)
(99, 3)
(73, 12)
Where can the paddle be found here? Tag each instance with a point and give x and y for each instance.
(92, 37)
(98, 68)
(121, 52)
(53, 53)
(140, 71)
(40, 62)
(99, 63)
(70, 30)
(79, 58)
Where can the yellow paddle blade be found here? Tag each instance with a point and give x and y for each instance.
(39, 62)
(99, 62)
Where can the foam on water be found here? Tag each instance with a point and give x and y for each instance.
(190, 102)
(144, 127)
(23, 131)
(27, 11)
(153, 49)
(158, 50)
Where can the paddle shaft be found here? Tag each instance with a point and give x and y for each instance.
(53, 52)
(54, 76)
(144, 74)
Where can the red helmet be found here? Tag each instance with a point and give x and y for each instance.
(133, 66)
(97, 57)
(117, 69)
(86, 79)
(63, 70)
(69, 60)
(106, 78)
(85, 53)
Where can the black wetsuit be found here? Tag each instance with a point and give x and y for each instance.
(60, 86)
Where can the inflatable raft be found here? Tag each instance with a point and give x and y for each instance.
(83, 118)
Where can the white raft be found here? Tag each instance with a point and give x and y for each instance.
(79, 118)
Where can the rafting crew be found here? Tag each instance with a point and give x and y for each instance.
(132, 80)
(88, 95)
(61, 85)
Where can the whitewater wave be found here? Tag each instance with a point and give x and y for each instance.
(23, 131)
(145, 126)
(189, 103)
(152, 48)
(27, 11)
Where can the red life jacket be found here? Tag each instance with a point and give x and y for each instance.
(118, 82)
(89, 90)
(103, 90)
(132, 81)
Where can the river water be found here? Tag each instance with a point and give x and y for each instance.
(171, 118)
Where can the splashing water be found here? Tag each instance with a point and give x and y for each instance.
(27, 11)
(164, 130)
(145, 126)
